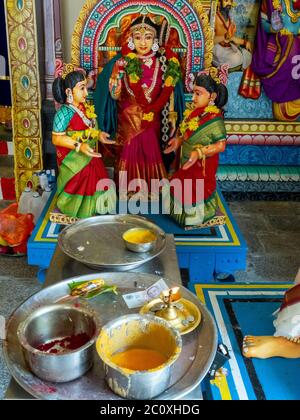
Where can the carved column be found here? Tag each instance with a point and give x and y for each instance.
(52, 36)
(53, 53)
(26, 93)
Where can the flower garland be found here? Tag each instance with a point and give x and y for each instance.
(90, 133)
(172, 75)
(192, 118)
(90, 111)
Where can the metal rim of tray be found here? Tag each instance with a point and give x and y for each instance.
(130, 260)
(203, 339)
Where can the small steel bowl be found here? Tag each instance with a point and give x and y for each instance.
(50, 323)
(139, 247)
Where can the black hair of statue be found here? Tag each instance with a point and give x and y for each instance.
(206, 81)
(60, 85)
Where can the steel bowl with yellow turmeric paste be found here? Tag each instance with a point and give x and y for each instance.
(140, 239)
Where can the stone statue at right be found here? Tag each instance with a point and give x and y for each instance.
(286, 340)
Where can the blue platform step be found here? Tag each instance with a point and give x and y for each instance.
(205, 253)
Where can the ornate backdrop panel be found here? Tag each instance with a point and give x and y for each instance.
(188, 18)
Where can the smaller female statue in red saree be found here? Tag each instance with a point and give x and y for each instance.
(75, 138)
(141, 81)
(202, 136)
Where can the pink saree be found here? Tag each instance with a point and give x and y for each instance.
(139, 155)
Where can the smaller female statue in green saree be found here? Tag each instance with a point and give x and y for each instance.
(202, 135)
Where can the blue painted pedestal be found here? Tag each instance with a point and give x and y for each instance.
(203, 252)
(208, 253)
(43, 240)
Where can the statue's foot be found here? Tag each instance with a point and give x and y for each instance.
(267, 346)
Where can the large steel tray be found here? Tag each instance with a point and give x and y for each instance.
(199, 346)
(97, 242)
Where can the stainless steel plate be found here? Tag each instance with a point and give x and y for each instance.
(98, 243)
(199, 346)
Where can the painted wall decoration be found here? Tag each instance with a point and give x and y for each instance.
(276, 57)
(26, 95)
(98, 18)
(235, 26)
(245, 14)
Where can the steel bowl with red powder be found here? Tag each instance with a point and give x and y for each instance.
(58, 342)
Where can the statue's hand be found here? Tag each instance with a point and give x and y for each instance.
(104, 138)
(88, 151)
(248, 46)
(115, 87)
(173, 145)
(192, 160)
(227, 37)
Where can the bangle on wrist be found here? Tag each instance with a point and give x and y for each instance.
(200, 153)
(173, 114)
(202, 157)
(77, 146)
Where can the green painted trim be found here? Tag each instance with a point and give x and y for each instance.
(76, 205)
(209, 133)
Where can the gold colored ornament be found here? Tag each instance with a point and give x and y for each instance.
(17, 14)
(26, 84)
(27, 153)
(212, 109)
(214, 72)
(208, 31)
(143, 27)
(26, 95)
(200, 153)
(276, 4)
(148, 117)
(27, 123)
(22, 46)
(26, 178)
(90, 111)
(67, 69)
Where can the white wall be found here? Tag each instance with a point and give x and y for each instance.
(70, 10)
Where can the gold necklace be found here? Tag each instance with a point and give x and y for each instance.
(293, 15)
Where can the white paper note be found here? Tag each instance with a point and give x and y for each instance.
(138, 299)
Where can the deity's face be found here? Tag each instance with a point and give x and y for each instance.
(143, 41)
(80, 93)
(201, 97)
(226, 4)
